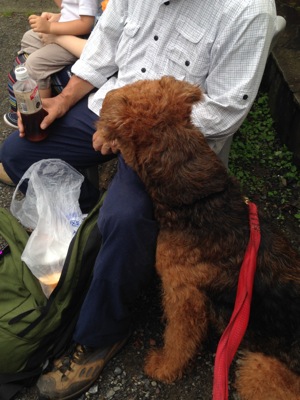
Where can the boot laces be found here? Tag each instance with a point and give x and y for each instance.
(73, 356)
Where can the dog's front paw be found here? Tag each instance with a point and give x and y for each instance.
(161, 367)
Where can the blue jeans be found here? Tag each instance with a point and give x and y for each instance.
(125, 263)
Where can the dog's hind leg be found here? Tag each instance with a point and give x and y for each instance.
(186, 315)
(260, 377)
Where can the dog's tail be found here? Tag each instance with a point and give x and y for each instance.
(261, 377)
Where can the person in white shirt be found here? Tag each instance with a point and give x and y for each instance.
(220, 45)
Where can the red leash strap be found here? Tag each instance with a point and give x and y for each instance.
(235, 330)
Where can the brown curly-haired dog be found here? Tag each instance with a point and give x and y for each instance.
(204, 231)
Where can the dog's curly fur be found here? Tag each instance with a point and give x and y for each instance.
(204, 232)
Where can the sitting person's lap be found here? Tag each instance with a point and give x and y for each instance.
(70, 139)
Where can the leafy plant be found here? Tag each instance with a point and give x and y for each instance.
(264, 166)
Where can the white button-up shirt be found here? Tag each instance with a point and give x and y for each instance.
(220, 45)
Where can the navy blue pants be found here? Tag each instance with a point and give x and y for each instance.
(70, 139)
(125, 263)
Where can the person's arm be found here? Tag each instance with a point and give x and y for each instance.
(98, 59)
(51, 17)
(238, 57)
(71, 43)
(81, 26)
(58, 3)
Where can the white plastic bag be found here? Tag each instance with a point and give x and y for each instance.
(51, 209)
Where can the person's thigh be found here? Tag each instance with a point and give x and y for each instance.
(69, 139)
(125, 263)
(30, 42)
(48, 60)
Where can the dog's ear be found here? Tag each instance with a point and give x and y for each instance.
(183, 92)
(124, 116)
(183, 169)
(112, 114)
(175, 100)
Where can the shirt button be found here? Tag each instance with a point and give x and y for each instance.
(245, 97)
(143, 69)
(187, 63)
(155, 37)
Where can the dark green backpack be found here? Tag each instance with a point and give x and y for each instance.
(34, 329)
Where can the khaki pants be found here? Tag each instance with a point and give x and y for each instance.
(44, 60)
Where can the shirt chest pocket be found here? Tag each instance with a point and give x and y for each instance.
(131, 28)
(127, 42)
(128, 36)
(188, 54)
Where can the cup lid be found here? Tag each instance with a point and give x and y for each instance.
(21, 73)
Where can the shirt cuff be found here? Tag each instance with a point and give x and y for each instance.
(84, 71)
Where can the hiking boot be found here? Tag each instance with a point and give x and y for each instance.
(11, 119)
(74, 373)
(4, 178)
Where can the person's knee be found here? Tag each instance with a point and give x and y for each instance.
(26, 39)
(11, 154)
(9, 148)
(127, 216)
(30, 41)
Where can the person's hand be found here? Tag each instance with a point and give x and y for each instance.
(51, 17)
(39, 24)
(55, 108)
(20, 125)
(47, 38)
(105, 147)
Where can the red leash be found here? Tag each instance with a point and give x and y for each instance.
(235, 330)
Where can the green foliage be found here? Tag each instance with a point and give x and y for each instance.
(7, 13)
(263, 165)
